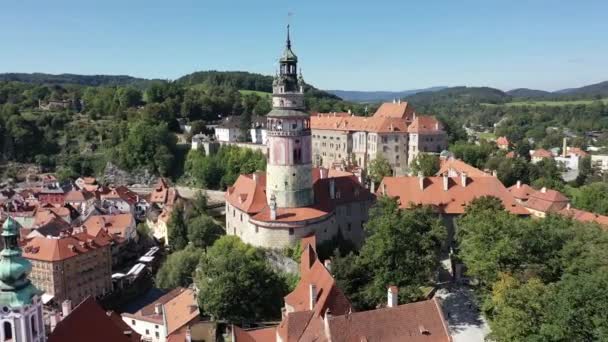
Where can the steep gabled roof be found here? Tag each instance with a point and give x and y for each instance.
(425, 124)
(584, 216)
(397, 110)
(89, 322)
(414, 322)
(546, 200)
(453, 167)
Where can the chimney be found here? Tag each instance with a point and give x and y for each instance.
(323, 172)
(255, 177)
(55, 318)
(394, 100)
(568, 206)
(421, 180)
(312, 290)
(350, 111)
(384, 191)
(326, 324)
(393, 296)
(565, 148)
(327, 264)
(518, 184)
(463, 179)
(543, 190)
(494, 173)
(332, 188)
(446, 181)
(188, 335)
(66, 307)
(399, 101)
(158, 308)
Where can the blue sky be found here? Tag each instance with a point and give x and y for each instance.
(352, 45)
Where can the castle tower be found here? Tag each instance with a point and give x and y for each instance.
(289, 169)
(20, 305)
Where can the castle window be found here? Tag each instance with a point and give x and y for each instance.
(290, 231)
(8, 331)
(348, 226)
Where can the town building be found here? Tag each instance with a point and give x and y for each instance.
(600, 162)
(395, 131)
(229, 130)
(258, 130)
(72, 266)
(540, 154)
(502, 143)
(293, 200)
(121, 225)
(88, 321)
(20, 301)
(156, 322)
(539, 202)
(318, 310)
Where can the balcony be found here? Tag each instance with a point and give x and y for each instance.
(278, 133)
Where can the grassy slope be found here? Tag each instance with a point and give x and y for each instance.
(258, 93)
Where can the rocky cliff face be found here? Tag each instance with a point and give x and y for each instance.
(114, 175)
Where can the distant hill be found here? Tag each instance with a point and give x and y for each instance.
(529, 93)
(85, 80)
(459, 94)
(597, 89)
(378, 96)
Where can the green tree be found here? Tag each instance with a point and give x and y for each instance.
(402, 249)
(379, 168)
(427, 164)
(178, 269)
(236, 283)
(177, 229)
(203, 231)
(592, 197)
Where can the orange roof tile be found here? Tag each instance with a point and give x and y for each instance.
(546, 200)
(56, 249)
(90, 322)
(454, 200)
(180, 308)
(425, 124)
(502, 141)
(577, 152)
(521, 191)
(541, 153)
(358, 123)
(397, 110)
(584, 216)
(455, 167)
(113, 224)
(414, 322)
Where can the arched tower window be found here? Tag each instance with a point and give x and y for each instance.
(7, 329)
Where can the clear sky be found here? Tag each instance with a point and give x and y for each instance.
(351, 45)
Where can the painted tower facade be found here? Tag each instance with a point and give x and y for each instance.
(20, 305)
(289, 169)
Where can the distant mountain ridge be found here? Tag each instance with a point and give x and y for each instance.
(377, 96)
(85, 80)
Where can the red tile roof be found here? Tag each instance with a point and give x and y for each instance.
(541, 153)
(113, 224)
(415, 322)
(359, 123)
(521, 191)
(454, 167)
(454, 200)
(577, 152)
(502, 141)
(584, 216)
(78, 196)
(546, 200)
(56, 249)
(89, 322)
(250, 196)
(397, 110)
(180, 308)
(425, 124)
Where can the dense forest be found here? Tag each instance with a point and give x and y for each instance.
(127, 121)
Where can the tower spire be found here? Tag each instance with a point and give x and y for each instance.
(288, 39)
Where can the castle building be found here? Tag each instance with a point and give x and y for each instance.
(395, 132)
(292, 199)
(20, 304)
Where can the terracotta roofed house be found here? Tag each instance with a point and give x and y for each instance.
(90, 322)
(540, 154)
(584, 216)
(545, 201)
(158, 320)
(72, 266)
(502, 143)
(453, 167)
(122, 225)
(521, 192)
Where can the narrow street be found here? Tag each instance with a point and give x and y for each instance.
(465, 321)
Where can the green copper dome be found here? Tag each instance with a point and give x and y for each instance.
(16, 290)
(288, 55)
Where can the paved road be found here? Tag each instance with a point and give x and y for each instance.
(464, 320)
(214, 196)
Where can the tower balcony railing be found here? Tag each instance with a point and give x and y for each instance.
(278, 133)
